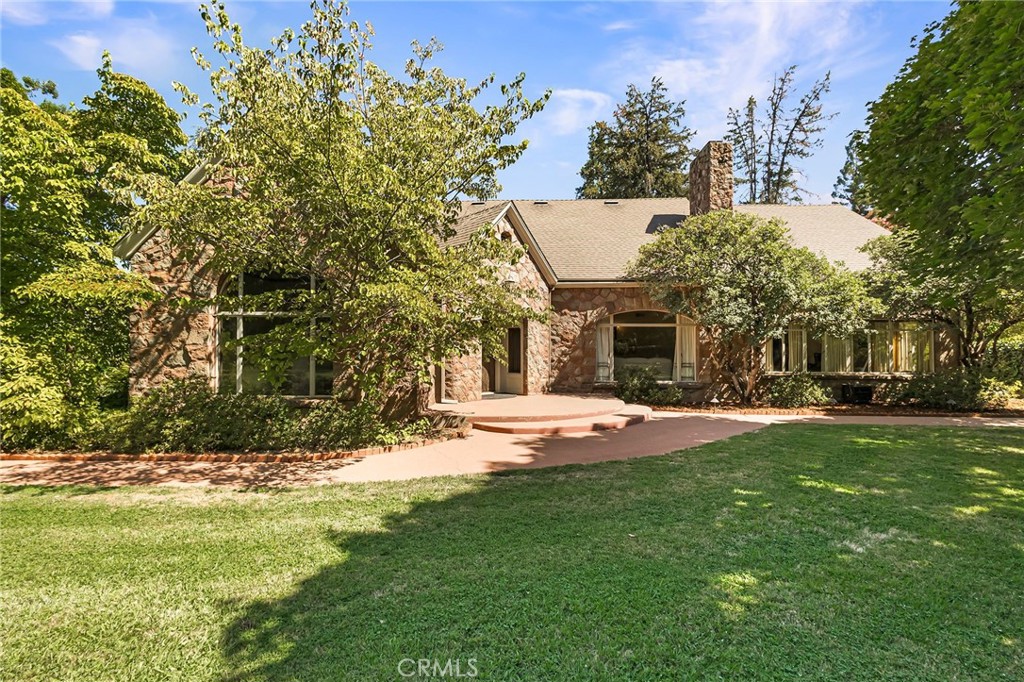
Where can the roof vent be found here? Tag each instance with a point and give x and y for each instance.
(610, 203)
(478, 203)
(540, 203)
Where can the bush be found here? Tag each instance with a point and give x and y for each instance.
(188, 416)
(958, 389)
(797, 390)
(1008, 364)
(640, 385)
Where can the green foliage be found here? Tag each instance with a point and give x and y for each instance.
(64, 196)
(944, 156)
(334, 168)
(189, 416)
(645, 152)
(963, 388)
(636, 385)
(1006, 362)
(850, 188)
(742, 281)
(767, 146)
(797, 390)
(961, 297)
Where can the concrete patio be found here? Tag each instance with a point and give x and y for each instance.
(546, 414)
(481, 453)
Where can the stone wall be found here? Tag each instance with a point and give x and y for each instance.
(464, 375)
(711, 179)
(167, 341)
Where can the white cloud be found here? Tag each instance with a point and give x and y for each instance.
(82, 49)
(38, 12)
(620, 26)
(572, 110)
(732, 50)
(135, 45)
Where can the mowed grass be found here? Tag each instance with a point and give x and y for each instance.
(822, 552)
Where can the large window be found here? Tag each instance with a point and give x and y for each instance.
(305, 376)
(886, 347)
(665, 343)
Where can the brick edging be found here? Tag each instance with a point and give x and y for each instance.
(812, 412)
(225, 457)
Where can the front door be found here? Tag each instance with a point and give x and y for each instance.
(510, 375)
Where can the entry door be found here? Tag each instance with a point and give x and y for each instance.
(510, 375)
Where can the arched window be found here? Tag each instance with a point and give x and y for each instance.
(306, 376)
(663, 342)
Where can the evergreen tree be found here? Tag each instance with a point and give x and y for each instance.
(644, 152)
(766, 147)
(850, 189)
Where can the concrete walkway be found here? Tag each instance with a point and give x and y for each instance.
(481, 452)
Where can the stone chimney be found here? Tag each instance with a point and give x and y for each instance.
(711, 178)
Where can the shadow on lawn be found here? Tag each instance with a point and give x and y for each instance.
(761, 557)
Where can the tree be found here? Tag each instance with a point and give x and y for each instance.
(63, 196)
(644, 153)
(955, 296)
(850, 188)
(767, 148)
(742, 281)
(944, 155)
(338, 170)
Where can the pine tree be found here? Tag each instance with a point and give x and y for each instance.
(850, 189)
(644, 152)
(766, 148)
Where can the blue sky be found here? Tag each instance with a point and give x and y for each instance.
(713, 55)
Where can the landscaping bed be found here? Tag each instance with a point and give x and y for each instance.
(1014, 409)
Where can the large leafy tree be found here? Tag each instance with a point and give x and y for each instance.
(768, 145)
(944, 158)
(336, 169)
(960, 298)
(63, 196)
(850, 188)
(742, 281)
(644, 152)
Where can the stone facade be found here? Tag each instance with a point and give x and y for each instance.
(711, 179)
(169, 341)
(465, 376)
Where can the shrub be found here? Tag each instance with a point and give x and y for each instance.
(636, 385)
(797, 390)
(188, 416)
(1008, 362)
(957, 389)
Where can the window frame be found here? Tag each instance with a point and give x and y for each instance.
(238, 315)
(681, 324)
(878, 331)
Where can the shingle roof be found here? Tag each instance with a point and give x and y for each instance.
(475, 215)
(594, 239)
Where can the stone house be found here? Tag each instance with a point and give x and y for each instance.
(599, 322)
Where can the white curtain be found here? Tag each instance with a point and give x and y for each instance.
(687, 351)
(605, 345)
(838, 354)
(797, 351)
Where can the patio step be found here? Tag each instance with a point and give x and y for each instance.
(628, 415)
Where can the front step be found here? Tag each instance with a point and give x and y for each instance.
(627, 416)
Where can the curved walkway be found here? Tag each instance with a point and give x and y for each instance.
(481, 452)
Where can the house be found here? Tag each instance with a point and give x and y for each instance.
(600, 322)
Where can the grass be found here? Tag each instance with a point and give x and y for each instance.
(853, 552)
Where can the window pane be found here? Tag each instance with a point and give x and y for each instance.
(814, 355)
(227, 360)
(653, 347)
(515, 350)
(861, 353)
(780, 358)
(324, 377)
(881, 343)
(296, 378)
(645, 317)
(261, 284)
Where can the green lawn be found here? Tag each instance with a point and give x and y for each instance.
(817, 551)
